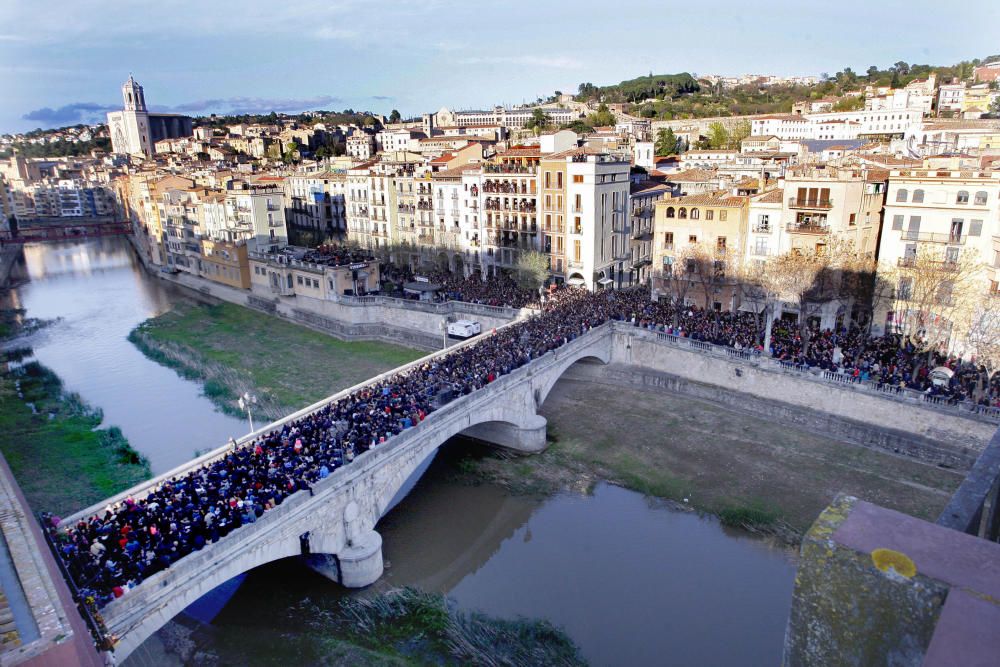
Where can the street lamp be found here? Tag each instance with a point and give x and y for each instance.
(246, 401)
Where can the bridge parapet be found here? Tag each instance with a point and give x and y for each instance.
(368, 484)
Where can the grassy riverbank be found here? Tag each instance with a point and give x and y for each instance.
(749, 471)
(396, 627)
(234, 349)
(60, 458)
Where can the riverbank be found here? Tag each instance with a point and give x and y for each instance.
(401, 626)
(232, 350)
(60, 458)
(751, 472)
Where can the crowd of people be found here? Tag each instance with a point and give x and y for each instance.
(498, 291)
(109, 553)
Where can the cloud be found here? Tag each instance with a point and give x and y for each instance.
(13, 38)
(383, 98)
(69, 114)
(241, 104)
(89, 112)
(334, 34)
(557, 62)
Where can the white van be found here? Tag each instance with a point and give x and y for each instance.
(463, 329)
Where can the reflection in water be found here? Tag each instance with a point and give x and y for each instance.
(101, 293)
(632, 582)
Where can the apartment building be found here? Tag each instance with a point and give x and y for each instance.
(510, 208)
(823, 204)
(258, 212)
(226, 263)
(643, 196)
(298, 272)
(316, 208)
(711, 225)
(949, 215)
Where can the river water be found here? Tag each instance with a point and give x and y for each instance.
(631, 581)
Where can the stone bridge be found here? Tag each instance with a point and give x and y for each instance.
(334, 527)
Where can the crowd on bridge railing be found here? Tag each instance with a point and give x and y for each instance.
(111, 552)
(114, 551)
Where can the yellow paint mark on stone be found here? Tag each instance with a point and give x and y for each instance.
(900, 563)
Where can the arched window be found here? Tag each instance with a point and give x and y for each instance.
(670, 211)
(901, 194)
(963, 197)
(981, 198)
(695, 214)
(682, 212)
(918, 196)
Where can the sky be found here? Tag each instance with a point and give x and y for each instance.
(63, 61)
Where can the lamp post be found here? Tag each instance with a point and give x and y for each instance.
(444, 333)
(247, 400)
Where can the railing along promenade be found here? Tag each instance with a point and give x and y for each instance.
(894, 392)
(439, 307)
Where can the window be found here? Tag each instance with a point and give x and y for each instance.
(975, 227)
(670, 211)
(962, 198)
(668, 240)
(722, 216)
(944, 293)
(760, 246)
(914, 227)
(576, 250)
(548, 179)
(559, 182)
(981, 198)
(577, 178)
(689, 265)
(692, 239)
(918, 196)
(955, 235)
(901, 194)
(548, 201)
(709, 214)
(720, 244)
(853, 219)
(951, 254)
(695, 214)
(682, 213)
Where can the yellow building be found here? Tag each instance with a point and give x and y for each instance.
(226, 263)
(710, 225)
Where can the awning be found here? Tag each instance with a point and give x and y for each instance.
(605, 281)
(421, 287)
(576, 282)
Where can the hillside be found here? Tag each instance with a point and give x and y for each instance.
(683, 96)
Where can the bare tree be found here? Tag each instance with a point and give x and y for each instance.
(806, 278)
(935, 291)
(677, 279)
(758, 292)
(982, 339)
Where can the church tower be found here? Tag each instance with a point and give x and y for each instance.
(132, 94)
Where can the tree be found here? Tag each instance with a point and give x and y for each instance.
(602, 117)
(849, 104)
(983, 337)
(532, 269)
(895, 82)
(872, 73)
(740, 131)
(666, 142)
(807, 278)
(756, 283)
(901, 67)
(936, 292)
(718, 135)
(538, 121)
(394, 116)
(676, 279)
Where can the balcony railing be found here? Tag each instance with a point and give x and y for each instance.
(933, 237)
(795, 202)
(762, 229)
(808, 228)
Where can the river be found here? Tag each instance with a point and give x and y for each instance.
(632, 581)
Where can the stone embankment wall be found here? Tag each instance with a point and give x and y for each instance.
(939, 435)
(412, 324)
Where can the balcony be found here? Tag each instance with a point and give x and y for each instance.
(932, 237)
(807, 228)
(575, 264)
(944, 265)
(642, 236)
(795, 202)
(762, 229)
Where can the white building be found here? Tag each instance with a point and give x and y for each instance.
(135, 131)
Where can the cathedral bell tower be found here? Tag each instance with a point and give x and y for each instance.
(132, 94)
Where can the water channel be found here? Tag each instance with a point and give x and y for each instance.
(631, 581)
